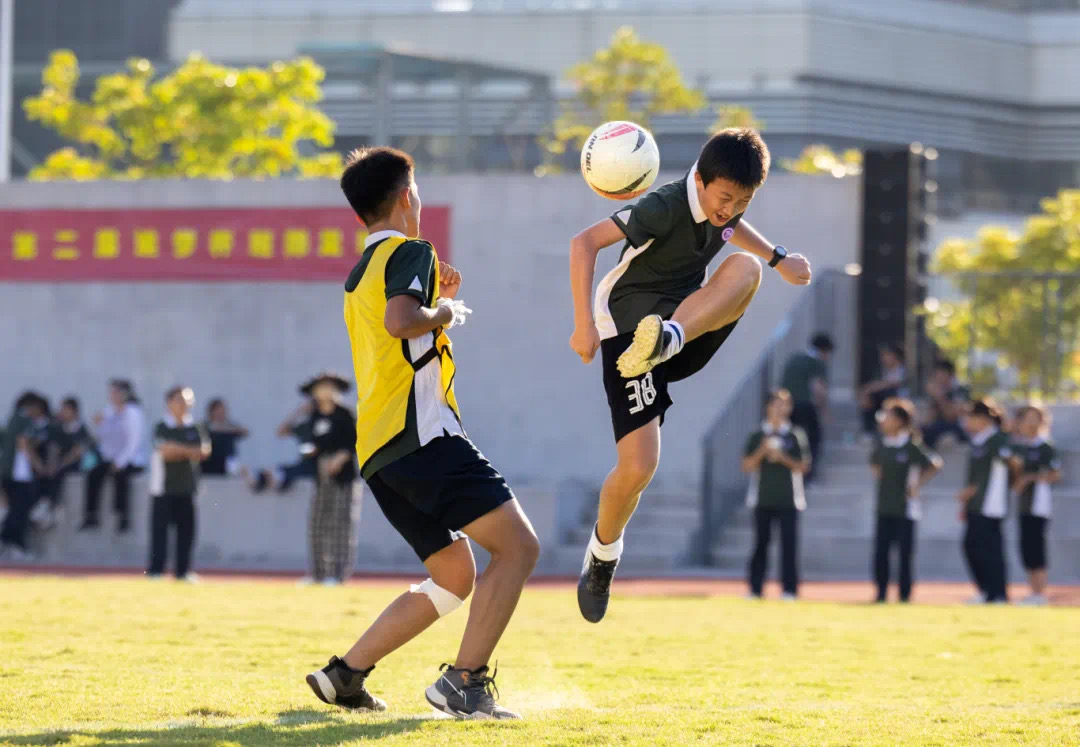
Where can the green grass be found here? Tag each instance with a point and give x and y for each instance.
(119, 662)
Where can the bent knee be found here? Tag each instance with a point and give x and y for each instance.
(742, 268)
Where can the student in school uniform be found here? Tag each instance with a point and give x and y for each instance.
(902, 465)
(1036, 467)
(984, 500)
(776, 457)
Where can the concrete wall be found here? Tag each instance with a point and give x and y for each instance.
(538, 413)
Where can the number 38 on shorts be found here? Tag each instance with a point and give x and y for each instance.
(641, 393)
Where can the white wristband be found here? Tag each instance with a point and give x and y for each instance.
(457, 308)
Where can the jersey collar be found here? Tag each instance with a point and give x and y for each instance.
(691, 195)
(983, 436)
(172, 422)
(380, 235)
(768, 430)
(896, 442)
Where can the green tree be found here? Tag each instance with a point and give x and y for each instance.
(735, 116)
(1030, 324)
(821, 159)
(630, 80)
(201, 121)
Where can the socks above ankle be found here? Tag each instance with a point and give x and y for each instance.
(678, 339)
(605, 552)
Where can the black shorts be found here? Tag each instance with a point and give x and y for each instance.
(434, 492)
(635, 402)
(1033, 542)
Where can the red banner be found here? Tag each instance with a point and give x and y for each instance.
(218, 244)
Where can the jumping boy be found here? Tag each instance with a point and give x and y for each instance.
(657, 318)
(427, 477)
(902, 466)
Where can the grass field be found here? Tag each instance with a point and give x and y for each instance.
(126, 661)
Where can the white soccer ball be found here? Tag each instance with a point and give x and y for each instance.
(620, 160)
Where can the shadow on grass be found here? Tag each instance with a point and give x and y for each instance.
(295, 727)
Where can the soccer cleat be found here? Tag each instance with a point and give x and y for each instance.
(647, 349)
(594, 587)
(467, 694)
(338, 684)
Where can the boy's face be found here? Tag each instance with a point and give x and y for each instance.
(67, 415)
(722, 199)
(889, 424)
(180, 404)
(779, 409)
(975, 424)
(1030, 424)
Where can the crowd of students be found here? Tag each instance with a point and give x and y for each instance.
(1002, 461)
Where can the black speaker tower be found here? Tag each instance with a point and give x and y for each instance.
(897, 208)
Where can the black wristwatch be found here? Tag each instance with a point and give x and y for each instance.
(778, 253)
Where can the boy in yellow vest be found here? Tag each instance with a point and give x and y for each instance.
(431, 483)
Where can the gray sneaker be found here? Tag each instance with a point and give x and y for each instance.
(466, 694)
(340, 685)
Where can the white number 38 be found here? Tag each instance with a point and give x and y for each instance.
(642, 393)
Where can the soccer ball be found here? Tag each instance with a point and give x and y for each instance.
(620, 160)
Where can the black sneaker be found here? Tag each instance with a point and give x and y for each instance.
(339, 684)
(594, 587)
(466, 694)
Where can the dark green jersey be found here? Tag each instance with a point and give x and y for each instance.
(176, 477)
(774, 485)
(1038, 456)
(669, 244)
(988, 471)
(69, 437)
(801, 369)
(901, 460)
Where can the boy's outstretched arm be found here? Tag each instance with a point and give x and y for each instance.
(584, 247)
(795, 268)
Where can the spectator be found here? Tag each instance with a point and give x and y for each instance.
(331, 530)
(948, 398)
(297, 425)
(984, 500)
(73, 448)
(179, 447)
(889, 384)
(806, 377)
(120, 435)
(776, 456)
(223, 437)
(1037, 467)
(902, 466)
(19, 463)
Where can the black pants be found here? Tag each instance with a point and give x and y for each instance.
(21, 498)
(984, 550)
(171, 510)
(1033, 542)
(899, 531)
(95, 481)
(805, 415)
(789, 568)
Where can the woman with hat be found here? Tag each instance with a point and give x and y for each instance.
(331, 529)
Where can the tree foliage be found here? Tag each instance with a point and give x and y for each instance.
(200, 121)
(821, 159)
(630, 80)
(729, 115)
(1010, 317)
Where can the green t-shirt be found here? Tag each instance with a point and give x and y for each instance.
(176, 477)
(801, 369)
(17, 425)
(774, 485)
(901, 462)
(1038, 456)
(988, 471)
(67, 439)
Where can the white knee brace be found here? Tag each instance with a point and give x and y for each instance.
(445, 602)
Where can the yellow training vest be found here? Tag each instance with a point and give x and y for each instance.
(386, 427)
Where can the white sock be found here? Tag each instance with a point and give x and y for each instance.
(678, 338)
(605, 552)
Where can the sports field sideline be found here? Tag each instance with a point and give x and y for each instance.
(114, 659)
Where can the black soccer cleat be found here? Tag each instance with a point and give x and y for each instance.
(594, 587)
(467, 694)
(646, 351)
(340, 685)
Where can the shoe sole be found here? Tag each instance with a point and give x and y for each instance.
(437, 701)
(638, 358)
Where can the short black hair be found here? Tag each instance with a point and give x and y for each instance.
(891, 347)
(174, 392)
(944, 365)
(372, 179)
(822, 342)
(987, 408)
(71, 403)
(903, 409)
(214, 404)
(737, 154)
(776, 394)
